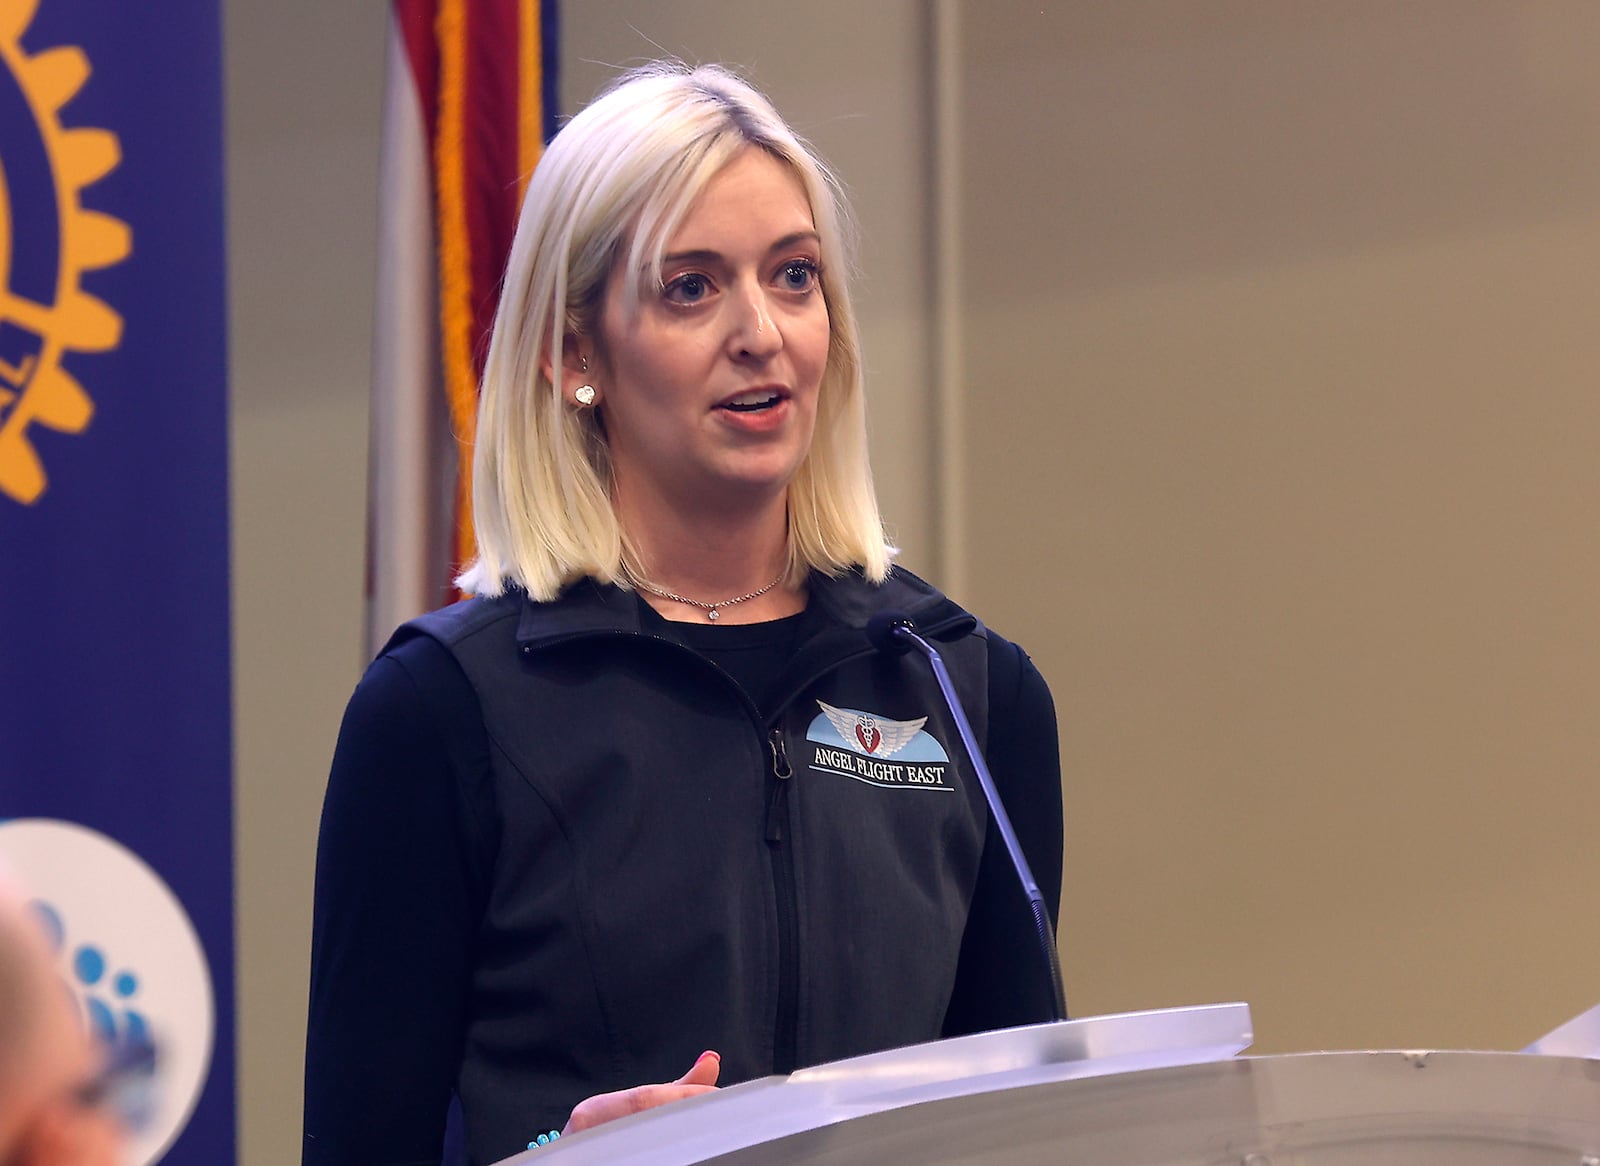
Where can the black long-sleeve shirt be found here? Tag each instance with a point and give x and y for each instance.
(436, 904)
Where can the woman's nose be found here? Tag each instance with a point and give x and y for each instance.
(757, 334)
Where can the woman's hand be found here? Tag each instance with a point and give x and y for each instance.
(604, 1107)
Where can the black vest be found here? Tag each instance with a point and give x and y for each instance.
(671, 869)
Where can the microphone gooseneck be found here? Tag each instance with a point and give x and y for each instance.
(882, 629)
(895, 633)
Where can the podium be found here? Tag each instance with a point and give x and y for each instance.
(1164, 1088)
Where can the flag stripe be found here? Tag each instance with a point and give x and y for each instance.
(493, 159)
(409, 533)
(415, 20)
(483, 86)
(548, 65)
(455, 256)
(530, 104)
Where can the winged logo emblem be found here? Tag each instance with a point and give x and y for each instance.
(874, 736)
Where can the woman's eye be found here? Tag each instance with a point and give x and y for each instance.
(798, 275)
(688, 289)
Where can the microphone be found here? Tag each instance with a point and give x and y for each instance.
(895, 633)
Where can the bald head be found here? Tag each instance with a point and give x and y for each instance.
(23, 968)
(45, 1055)
(24, 978)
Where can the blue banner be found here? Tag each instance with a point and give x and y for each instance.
(115, 763)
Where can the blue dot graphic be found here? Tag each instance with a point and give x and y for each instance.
(89, 964)
(106, 996)
(135, 1030)
(101, 1022)
(50, 920)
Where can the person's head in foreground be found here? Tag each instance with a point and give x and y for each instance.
(674, 348)
(51, 1103)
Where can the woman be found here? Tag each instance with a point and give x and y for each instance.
(652, 791)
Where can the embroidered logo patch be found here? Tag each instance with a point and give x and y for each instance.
(877, 751)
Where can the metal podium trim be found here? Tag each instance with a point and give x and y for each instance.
(756, 1112)
(1578, 1037)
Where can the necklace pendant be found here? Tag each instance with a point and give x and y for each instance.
(712, 615)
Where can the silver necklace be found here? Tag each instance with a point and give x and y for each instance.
(710, 609)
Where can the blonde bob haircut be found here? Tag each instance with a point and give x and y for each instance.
(610, 191)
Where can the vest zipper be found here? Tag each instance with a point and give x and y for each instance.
(786, 1035)
(778, 800)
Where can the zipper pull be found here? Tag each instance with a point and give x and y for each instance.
(783, 772)
(780, 758)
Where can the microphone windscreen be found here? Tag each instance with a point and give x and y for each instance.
(881, 631)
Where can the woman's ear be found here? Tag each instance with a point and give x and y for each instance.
(576, 364)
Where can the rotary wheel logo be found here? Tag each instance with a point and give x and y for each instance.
(47, 241)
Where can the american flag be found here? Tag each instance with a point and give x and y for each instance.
(470, 100)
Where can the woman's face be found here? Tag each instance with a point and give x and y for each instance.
(709, 391)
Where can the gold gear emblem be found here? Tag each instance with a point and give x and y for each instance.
(47, 241)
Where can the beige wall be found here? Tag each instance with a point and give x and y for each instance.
(1274, 368)
(304, 82)
(1283, 337)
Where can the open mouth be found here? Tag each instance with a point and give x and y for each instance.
(752, 402)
